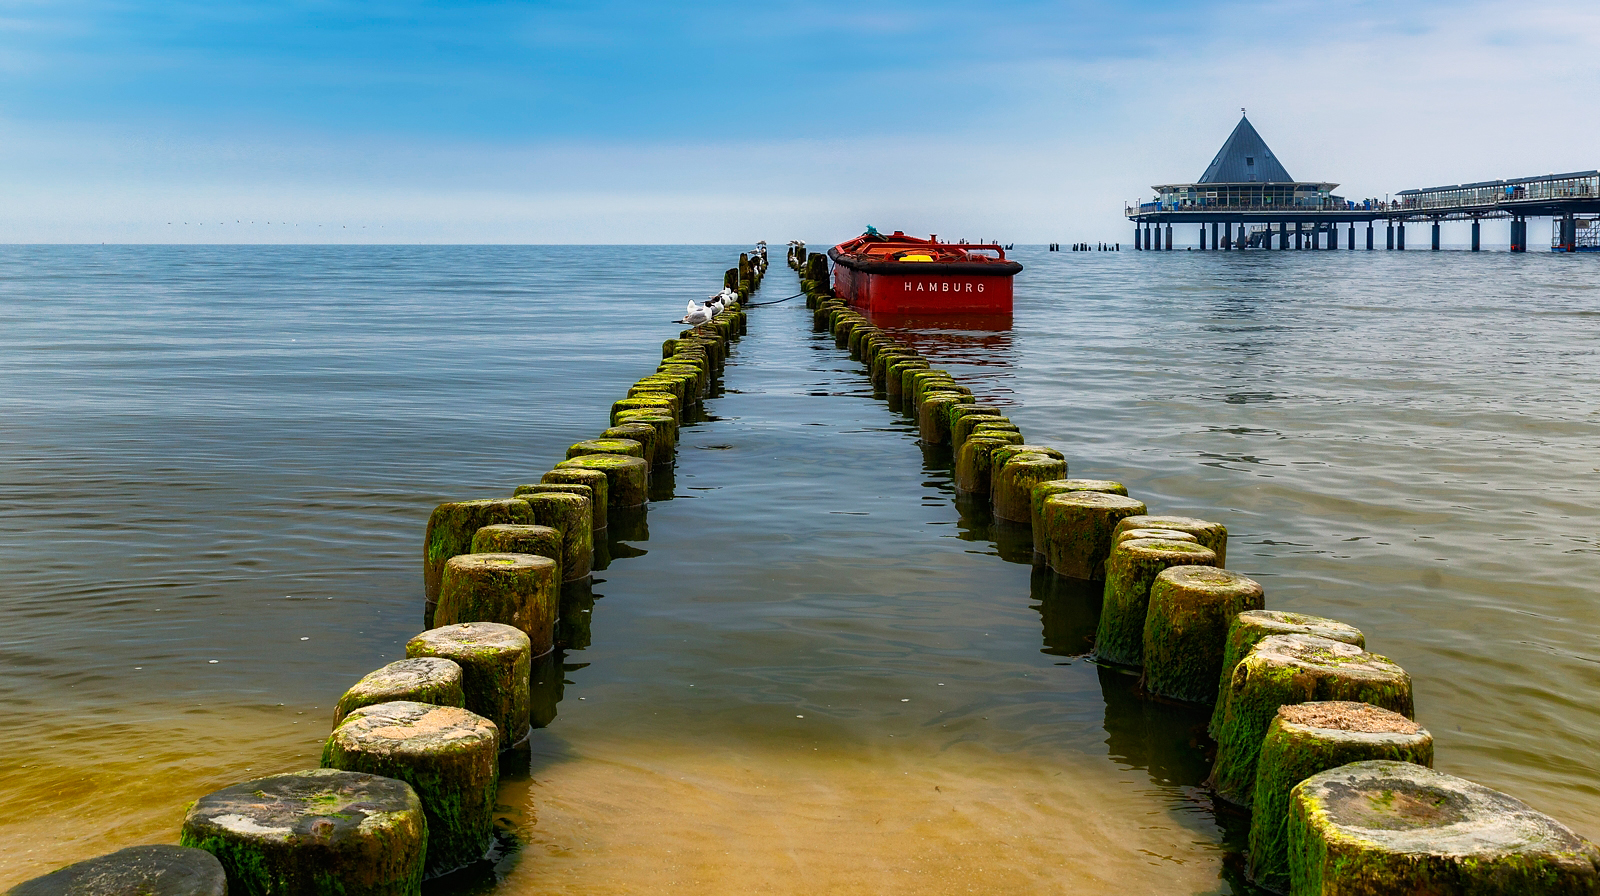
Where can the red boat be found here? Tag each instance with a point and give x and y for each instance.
(899, 274)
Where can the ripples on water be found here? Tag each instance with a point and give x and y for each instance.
(228, 454)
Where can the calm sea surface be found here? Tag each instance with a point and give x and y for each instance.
(817, 673)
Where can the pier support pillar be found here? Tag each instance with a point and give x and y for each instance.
(1369, 235)
(1299, 237)
(1400, 237)
(1243, 241)
(1202, 237)
(1214, 228)
(1138, 242)
(1333, 236)
(1390, 244)
(1474, 234)
(1436, 235)
(1169, 238)
(1518, 235)
(1353, 237)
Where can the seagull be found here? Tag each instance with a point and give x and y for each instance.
(698, 314)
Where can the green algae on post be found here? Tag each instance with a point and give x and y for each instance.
(599, 488)
(1380, 827)
(1186, 626)
(629, 477)
(134, 871)
(1287, 669)
(932, 422)
(1307, 739)
(663, 405)
(450, 530)
(448, 755)
(1078, 527)
(1016, 472)
(545, 541)
(572, 516)
(973, 464)
(1247, 629)
(495, 662)
(645, 435)
(1131, 568)
(319, 832)
(425, 679)
(1212, 535)
(519, 590)
(666, 433)
(1043, 490)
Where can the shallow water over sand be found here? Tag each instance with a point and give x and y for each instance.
(228, 454)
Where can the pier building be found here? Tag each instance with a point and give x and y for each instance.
(1247, 199)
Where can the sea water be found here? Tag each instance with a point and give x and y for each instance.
(817, 670)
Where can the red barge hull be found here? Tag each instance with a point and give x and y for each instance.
(899, 274)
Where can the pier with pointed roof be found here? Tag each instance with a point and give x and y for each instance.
(1247, 199)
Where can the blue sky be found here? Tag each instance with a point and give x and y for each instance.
(725, 122)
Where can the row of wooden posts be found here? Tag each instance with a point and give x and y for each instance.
(408, 781)
(1315, 736)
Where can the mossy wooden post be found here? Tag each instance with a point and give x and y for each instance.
(425, 679)
(544, 541)
(572, 517)
(666, 433)
(134, 871)
(1380, 827)
(933, 419)
(1131, 568)
(654, 384)
(1186, 626)
(1043, 490)
(549, 488)
(320, 832)
(625, 447)
(1212, 535)
(1247, 629)
(644, 434)
(628, 477)
(961, 427)
(1168, 534)
(1012, 486)
(495, 661)
(1307, 739)
(1288, 669)
(1078, 527)
(918, 381)
(973, 465)
(885, 359)
(450, 530)
(895, 377)
(1005, 432)
(677, 406)
(599, 487)
(448, 755)
(663, 405)
(519, 590)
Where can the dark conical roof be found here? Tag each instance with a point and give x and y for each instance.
(1244, 159)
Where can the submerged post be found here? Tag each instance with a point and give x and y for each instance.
(1400, 236)
(1390, 239)
(1474, 234)
(1435, 234)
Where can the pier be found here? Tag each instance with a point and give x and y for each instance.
(1246, 199)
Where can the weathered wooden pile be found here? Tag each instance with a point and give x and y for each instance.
(1314, 735)
(406, 789)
